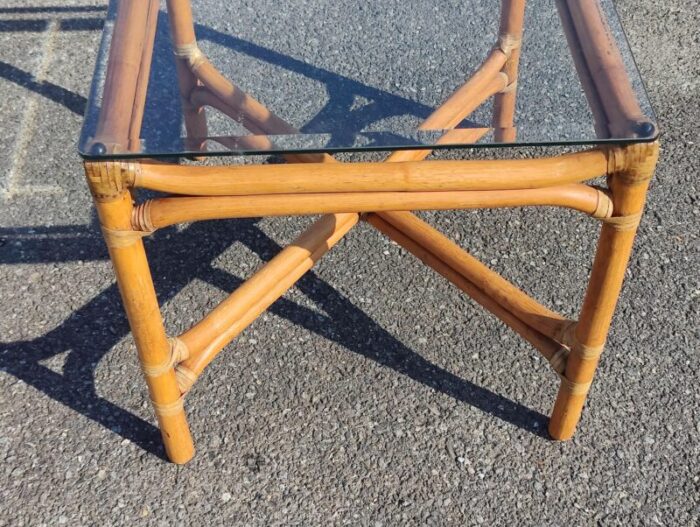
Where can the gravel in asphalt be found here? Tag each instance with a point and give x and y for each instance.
(373, 393)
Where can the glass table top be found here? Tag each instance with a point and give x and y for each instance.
(333, 76)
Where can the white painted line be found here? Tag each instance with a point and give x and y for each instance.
(30, 117)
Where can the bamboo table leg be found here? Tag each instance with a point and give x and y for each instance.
(114, 207)
(629, 181)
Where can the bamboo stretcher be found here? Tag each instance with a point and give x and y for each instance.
(382, 194)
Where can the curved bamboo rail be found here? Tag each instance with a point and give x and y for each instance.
(374, 177)
(162, 212)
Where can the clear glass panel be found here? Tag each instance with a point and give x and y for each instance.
(354, 76)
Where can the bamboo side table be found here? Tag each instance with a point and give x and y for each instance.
(119, 161)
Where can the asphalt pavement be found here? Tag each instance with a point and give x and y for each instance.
(373, 393)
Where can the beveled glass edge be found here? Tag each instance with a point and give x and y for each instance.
(223, 152)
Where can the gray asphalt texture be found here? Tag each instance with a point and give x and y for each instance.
(374, 393)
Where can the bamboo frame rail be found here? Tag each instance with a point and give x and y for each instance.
(403, 176)
(584, 74)
(162, 212)
(383, 193)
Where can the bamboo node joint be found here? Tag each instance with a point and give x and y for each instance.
(575, 388)
(185, 377)
(508, 43)
(604, 208)
(178, 353)
(118, 239)
(141, 217)
(190, 53)
(169, 409)
(624, 223)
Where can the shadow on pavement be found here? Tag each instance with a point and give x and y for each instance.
(177, 258)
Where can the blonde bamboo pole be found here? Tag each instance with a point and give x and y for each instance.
(584, 73)
(483, 84)
(142, 310)
(458, 136)
(143, 76)
(203, 97)
(251, 112)
(545, 345)
(629, 184)
(374, 177)
(208, 337)
(162, 212)
(607, 67)
(510, 37)
(181, 22)
(126, 58)
(494, 285)
(199, 362)
(182, 34)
